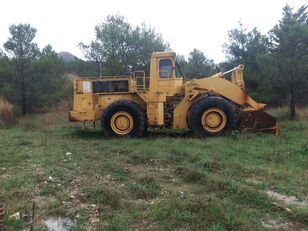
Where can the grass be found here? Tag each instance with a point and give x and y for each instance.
(165, 181)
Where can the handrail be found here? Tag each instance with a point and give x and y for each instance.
(234, 69)
(105, 77)
(140, 79)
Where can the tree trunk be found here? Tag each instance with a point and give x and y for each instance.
(99, 68)
(292, 104)
(23, 95)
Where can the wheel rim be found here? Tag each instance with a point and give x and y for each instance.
(122, 123)
(214, 119)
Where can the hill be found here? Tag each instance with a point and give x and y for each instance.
(67, 56)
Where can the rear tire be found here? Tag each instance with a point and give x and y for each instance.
(211, 116)
(124, 118)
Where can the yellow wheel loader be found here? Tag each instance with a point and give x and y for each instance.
(128, 105)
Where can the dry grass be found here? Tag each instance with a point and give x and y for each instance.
(283, 113)
(62, 106)
(6, 113)
(302, 113)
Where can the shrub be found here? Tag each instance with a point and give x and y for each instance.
(302, 113)
(6, 113)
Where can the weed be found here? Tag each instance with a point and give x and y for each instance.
(191, 175)
(118, 223)
(299, 215)
(195, 214)
(49, 189)
(56, 209)
(281, 113)
(103, 196)
(30, 123)
(251, 197)
(145, 188)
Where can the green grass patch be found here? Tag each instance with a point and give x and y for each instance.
(167, 180)
(145, 188)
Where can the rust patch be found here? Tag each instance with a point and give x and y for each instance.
(72, 118)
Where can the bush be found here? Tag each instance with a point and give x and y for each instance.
(6, 114)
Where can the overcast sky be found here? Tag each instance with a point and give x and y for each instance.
(185, 25)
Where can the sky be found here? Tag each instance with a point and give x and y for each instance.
(185, 25)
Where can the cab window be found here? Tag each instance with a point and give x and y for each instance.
(165, 68)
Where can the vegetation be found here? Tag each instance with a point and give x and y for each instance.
(251, 49)
(290, 52)
(276, 66)
(198, 65)
(6, 114)
(165, 181)
(23, 51)
(30, 78)
(118, 45)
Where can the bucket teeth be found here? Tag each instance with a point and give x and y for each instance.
(257, 121)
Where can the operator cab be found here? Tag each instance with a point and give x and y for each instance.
(165, 74)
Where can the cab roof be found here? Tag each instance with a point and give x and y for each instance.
(163, 54)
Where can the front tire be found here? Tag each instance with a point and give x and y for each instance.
(124, 118)
(211, 116)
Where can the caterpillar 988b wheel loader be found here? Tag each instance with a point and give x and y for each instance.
(128, 105)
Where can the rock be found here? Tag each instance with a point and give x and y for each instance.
(287, 200)
(15, 216)
(59, 224)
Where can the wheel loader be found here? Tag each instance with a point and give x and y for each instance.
(128, 105)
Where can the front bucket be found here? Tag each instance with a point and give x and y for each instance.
(258, 121)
